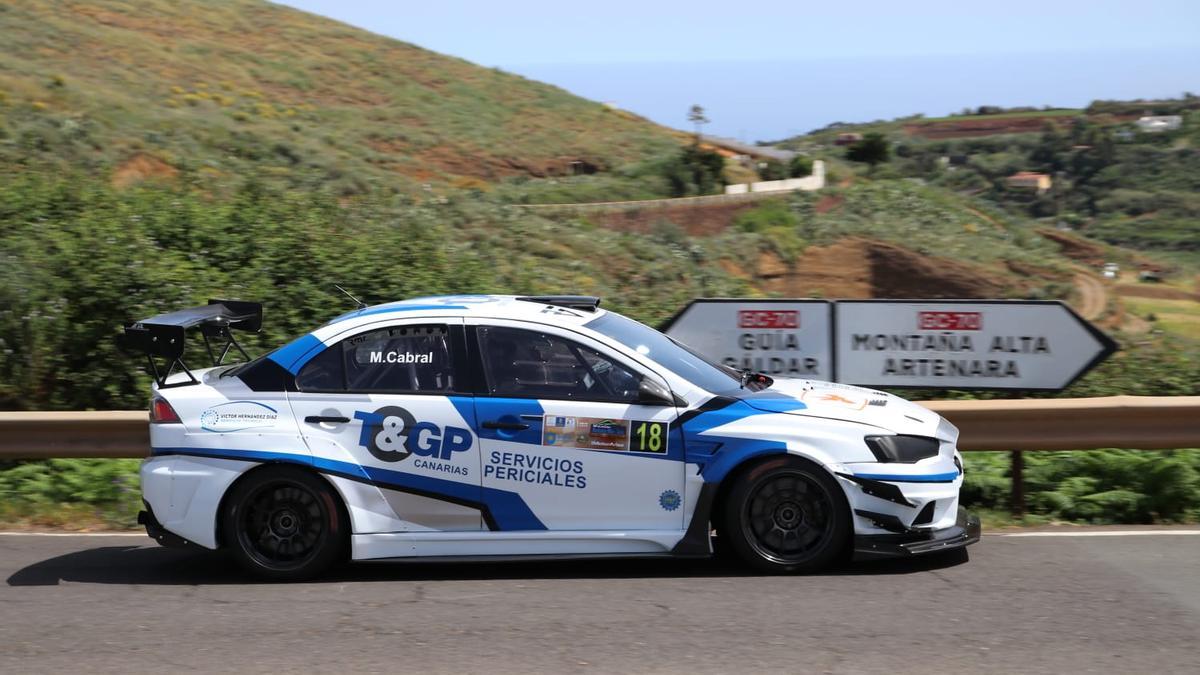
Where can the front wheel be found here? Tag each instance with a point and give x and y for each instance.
(787, 515)
(284, 524)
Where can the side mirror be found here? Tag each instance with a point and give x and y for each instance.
(653, 391)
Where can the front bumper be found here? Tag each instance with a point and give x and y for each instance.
(965, 531)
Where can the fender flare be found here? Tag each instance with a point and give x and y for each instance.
(696, 541)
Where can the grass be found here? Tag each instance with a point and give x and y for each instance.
(245, 85)
(929, 220)
(1057, 112)
(1180, 317)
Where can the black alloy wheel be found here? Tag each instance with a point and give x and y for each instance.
(787, 515)
(285, 524)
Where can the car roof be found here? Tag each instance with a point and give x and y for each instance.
(492, 306)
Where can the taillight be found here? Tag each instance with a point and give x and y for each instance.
(161, 412)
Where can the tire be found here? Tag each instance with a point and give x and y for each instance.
(283, 523)
(787, 515)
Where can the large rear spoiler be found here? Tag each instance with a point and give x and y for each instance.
(163, 336)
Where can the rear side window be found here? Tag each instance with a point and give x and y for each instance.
(531, 364)
(398, 360)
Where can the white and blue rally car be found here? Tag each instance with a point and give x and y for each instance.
(504, 427)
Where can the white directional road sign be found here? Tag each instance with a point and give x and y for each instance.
(965, 344)
(788, 338)
(946, 344)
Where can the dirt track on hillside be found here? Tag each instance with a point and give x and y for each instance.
(1093, 296)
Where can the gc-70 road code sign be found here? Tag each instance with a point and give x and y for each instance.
(952, 344)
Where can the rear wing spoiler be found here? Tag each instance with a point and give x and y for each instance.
(163, 336)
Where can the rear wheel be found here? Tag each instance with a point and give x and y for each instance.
(787, 515)
(284, 524)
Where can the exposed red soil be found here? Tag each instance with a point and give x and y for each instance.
(1077, 248)
(466, 162)
(1155, 292)
(1033, 271)
(142, 167)
(828, 202)
(866, 268)
(698, 220)
(989, 126)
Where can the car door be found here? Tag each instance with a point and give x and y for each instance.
(560, 423)
(384, 408)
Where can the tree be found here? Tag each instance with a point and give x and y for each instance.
(800, 166)
(696, 117)
(772, 169)
(695, 171)
(872, 149)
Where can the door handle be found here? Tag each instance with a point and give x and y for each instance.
(326, 419)
(507, 426)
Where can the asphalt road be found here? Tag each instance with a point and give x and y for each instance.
(1019, 604)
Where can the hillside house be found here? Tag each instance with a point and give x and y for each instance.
(847, 138)
(1153, 124)
(745, 153)
(1029, 180)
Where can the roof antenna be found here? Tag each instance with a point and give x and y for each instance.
(360, 303)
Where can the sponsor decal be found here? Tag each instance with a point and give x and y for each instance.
(766, 318)
(237, 416)
(669, 500)
(609, 434)
(846, 399)
(949, 321)
(401, 357)
(537, 469)
(392, 434)
(591, 433)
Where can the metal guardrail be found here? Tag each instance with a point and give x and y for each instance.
(1020, 425)
(1137, 422)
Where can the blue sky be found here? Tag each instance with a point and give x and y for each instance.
(769, 69)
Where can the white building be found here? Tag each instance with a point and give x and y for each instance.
(1153, 124)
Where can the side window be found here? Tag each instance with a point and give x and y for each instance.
(401, 359)
(324, 372)
(531, 364)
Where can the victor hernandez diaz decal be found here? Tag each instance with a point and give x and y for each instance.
(392, 434)
(238, 416)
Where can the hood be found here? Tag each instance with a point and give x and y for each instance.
(828, 400)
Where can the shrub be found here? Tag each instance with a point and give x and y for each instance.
(800, 166)
(771, 214)
(772, 169)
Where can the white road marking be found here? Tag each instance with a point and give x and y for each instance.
(73, 534)
(1104, 533)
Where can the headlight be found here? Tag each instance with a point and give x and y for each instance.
(906, 449)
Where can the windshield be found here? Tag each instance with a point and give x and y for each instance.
(666, 352)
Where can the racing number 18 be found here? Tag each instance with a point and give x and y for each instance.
(650, 437)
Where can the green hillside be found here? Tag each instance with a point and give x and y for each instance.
(204, 90)
(1111, 180)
